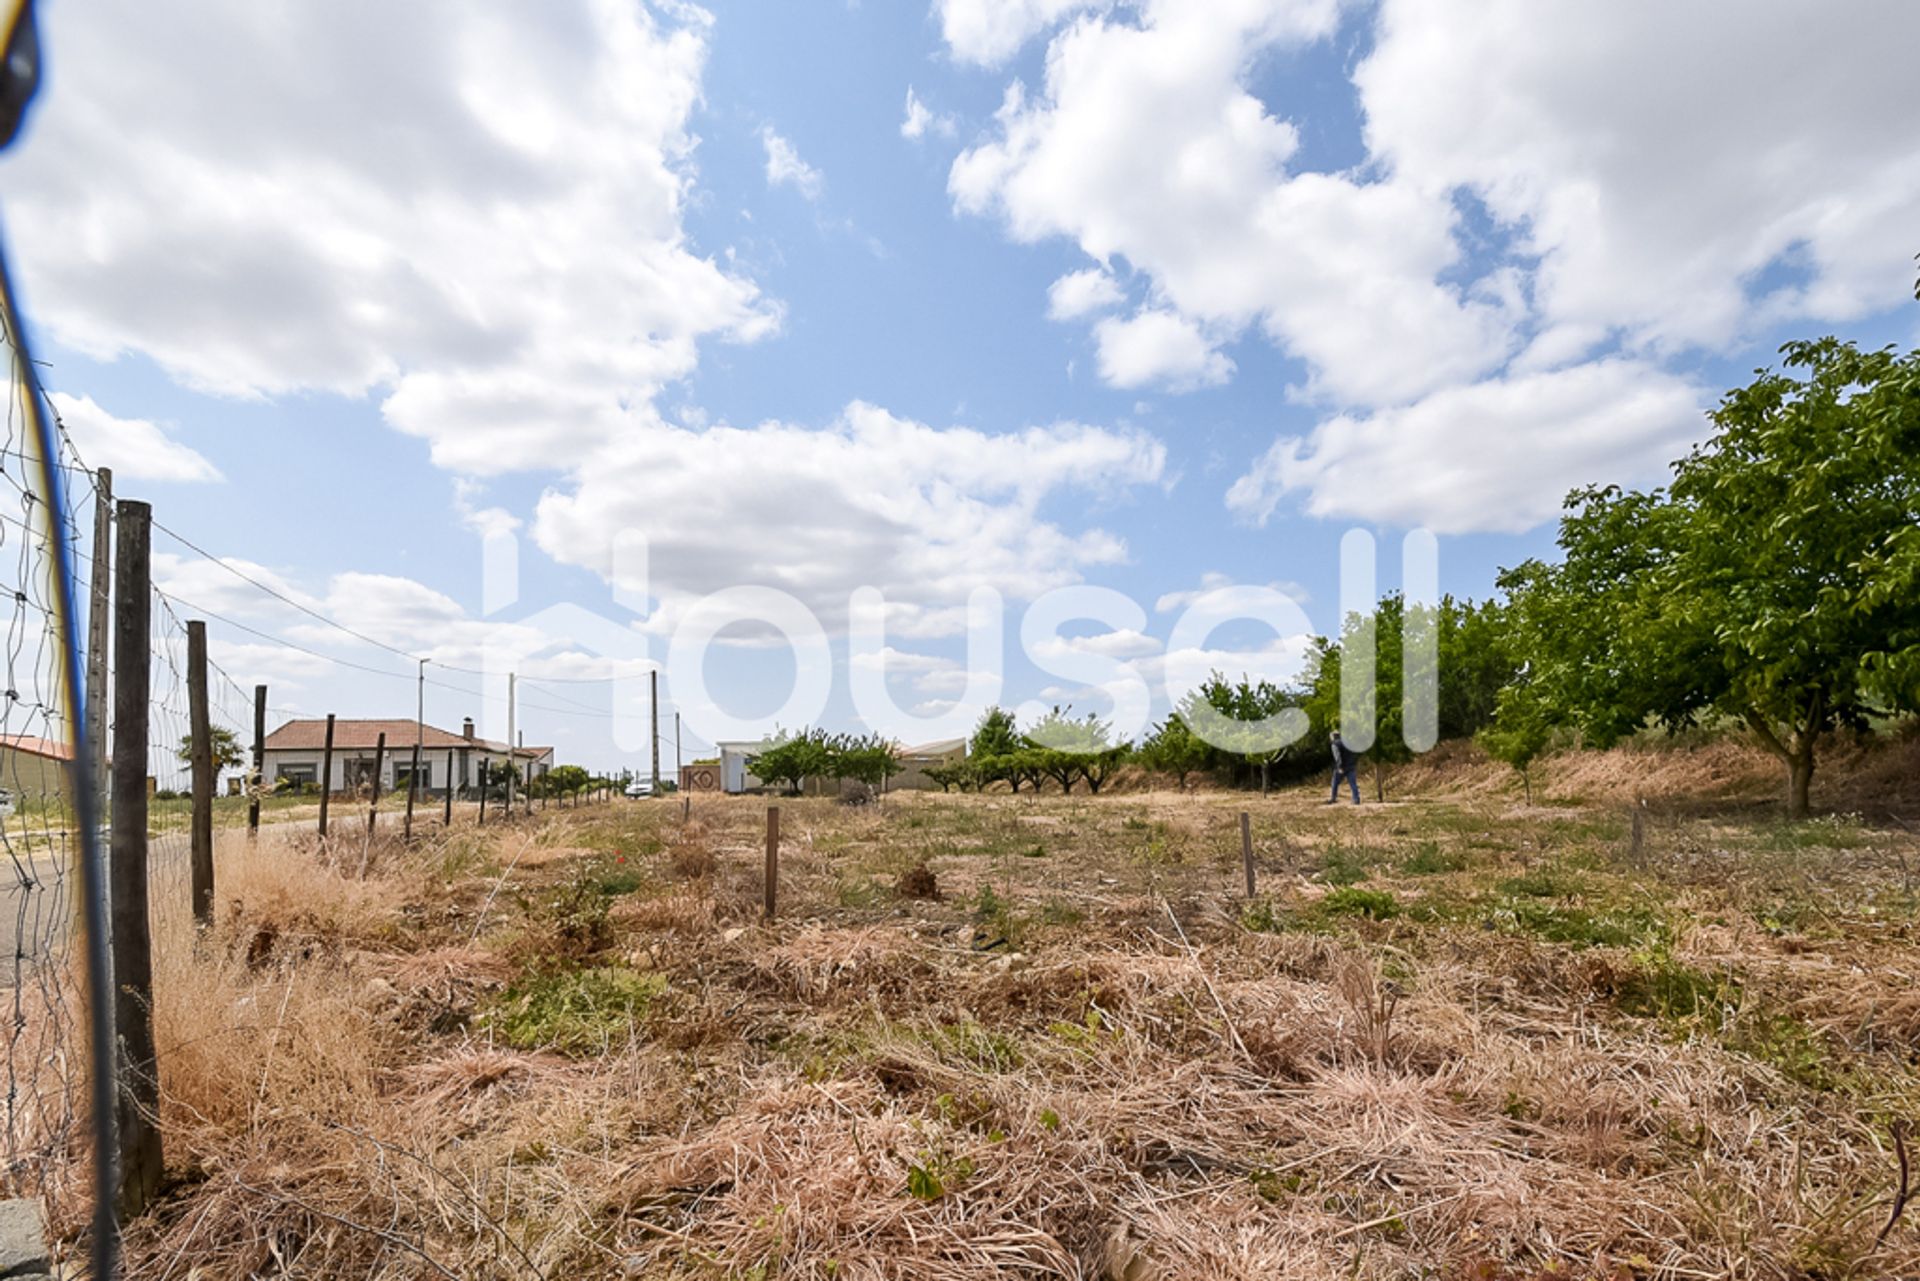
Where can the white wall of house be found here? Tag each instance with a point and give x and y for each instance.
(305, 764)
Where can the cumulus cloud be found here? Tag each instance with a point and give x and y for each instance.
(1495, 455)
(1743, 143)
(925, 514)
(135, 448)
(988, 32)
(785, 168)
(1122, 642)
(1748, 178)
(920, 119)
(1146, 143)
(1158, 346)
(477, 216)
(1218, 590)
(1081, 293)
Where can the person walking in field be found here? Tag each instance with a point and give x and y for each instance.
(1346, 764)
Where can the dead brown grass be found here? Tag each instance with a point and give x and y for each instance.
(1090, 1059)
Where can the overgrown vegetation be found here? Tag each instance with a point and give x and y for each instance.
(1444, 1038)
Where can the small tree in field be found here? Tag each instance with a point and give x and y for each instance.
(1519, 733)
(793, 759)
(1175, 749)
(225, 745)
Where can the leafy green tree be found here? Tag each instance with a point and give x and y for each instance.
(1070, 749)
(871, 759)
(1519, 733)
(1477, 662)
(225, 745)
(1246, 720)
(1384, 706)
(995, 735)
(1769, 583)
(793, 758)
(564, 780)
(1174, 749)
(1097, 767)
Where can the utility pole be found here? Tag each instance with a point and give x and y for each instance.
(678, 768)
(99, 598)
(655, 683)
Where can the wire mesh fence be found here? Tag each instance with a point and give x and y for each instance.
(45, 1039)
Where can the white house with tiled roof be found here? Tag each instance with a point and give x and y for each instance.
(296, 750)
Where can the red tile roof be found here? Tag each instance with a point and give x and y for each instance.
(353, 736)
(35, 746)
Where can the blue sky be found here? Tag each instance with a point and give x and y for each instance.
(1157, 297)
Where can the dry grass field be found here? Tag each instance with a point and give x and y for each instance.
(1451, 1036)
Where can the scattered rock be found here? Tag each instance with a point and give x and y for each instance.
(23, 1240)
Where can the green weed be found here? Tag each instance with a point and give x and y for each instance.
(583, 1012)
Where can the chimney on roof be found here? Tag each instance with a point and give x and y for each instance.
(466, 729)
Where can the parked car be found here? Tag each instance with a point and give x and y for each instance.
(6, 803)
(638, 789)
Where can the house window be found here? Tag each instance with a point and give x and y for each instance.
(403, 769)
(297, 775)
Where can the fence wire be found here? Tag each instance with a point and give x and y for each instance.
(45, 1034)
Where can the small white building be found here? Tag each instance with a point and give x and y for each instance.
(295, 751)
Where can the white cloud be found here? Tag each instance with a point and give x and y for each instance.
(989, 32)
(901, 662)
(134, 448)
(1124, 642)
(1657, 158)
(485, 521)
(477, 215)
(1218, 589)
(785, 168)
(1147, 144)
(1748, 177)
(1497, 455)
(1158, 347)
(925, 514)
(919, 119)
(1081, 293)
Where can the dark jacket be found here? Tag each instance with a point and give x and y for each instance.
(1344, 757)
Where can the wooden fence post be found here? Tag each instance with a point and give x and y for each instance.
(446, 819)
(1246, 849)
(413, 787)
(201, 754)
(259, 758)
(132, 945)
(326, 776)
(379, 760)
(773, 859)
